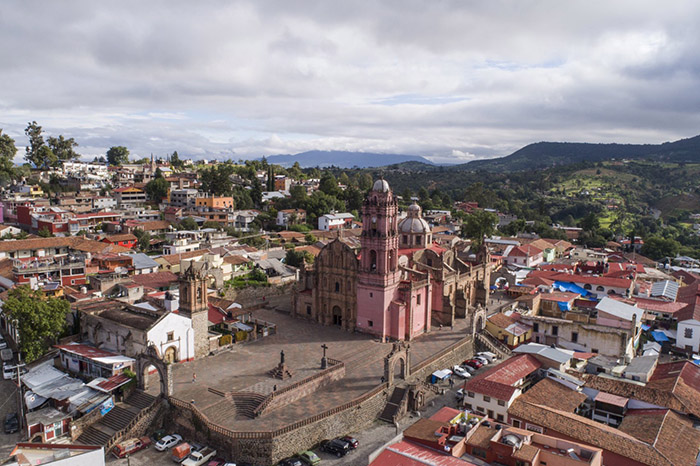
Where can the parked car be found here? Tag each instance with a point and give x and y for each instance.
(460, 394)
(351, 441)
(130, 446)
(8, 372)
(475, 363)
(168, 442)
(180, 452)
(198, 458)
(483, 360)
(220, 462)
(467, 368)
(291, 462)
(461, 372)
(309, 457)
(488, 355)
(335, 447)
(11, 423)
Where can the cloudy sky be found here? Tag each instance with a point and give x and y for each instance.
(451, 80)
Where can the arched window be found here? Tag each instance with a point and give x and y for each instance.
(337, 287)
(599, 288)
(392, 260)
(373, 260)
(587, 286)
(430, 262)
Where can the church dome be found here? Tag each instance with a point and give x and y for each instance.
(414, 225)
(381, 185)
(414, 209)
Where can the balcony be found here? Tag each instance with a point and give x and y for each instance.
(47, 265)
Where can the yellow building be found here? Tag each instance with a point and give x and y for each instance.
(507, 329)
(215, 202)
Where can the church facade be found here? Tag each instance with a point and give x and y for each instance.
(399, 284)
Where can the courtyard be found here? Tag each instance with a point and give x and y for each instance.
(245, 368)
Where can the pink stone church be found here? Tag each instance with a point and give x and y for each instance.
(399, 284)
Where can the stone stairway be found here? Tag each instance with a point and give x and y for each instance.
(489, 343)
(245, 403)
(394, 404)
(118, 418)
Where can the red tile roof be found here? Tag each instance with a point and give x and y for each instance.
(524, 251)
(499, 381)
(113, 382)
(86, 350)
(611, 399)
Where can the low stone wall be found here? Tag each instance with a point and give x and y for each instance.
(270, 447)
(78, 426)
(302, 388)
(445, 359)
(248, 297)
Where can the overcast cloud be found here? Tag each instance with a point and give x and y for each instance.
(451, 80)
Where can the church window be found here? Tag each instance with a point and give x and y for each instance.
(418, 238)
(308, 310)
(430, 262)
(171, 336)
(370, 323)
(199, 294)
(349, 286)
(373, 260)
(337, 287)
(418, 300)
(405, 239)
(371, 295)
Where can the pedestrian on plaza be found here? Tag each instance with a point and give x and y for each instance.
(194, 377)
(452, 382)
(274, 389)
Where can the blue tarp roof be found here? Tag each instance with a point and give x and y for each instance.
(564, 306)
(659, 336)
(564, 286)
(645, 327)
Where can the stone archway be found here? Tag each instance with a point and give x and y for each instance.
(150, 359)
(478, 319)
(170, 355)
(400, 356)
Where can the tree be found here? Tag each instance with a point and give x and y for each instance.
(118, 155)
(656, 247)
(8, 150)
(295, 258)
(188, 224)
(40, 320)
(365, 182)
(176, 162)
(36, 142)
(63, 149)
(44, 232)
(217, 180)
(590, 222)
(157, 188)
(479, 224)
(329, 185)
(143, 238)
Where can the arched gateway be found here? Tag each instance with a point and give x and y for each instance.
(150, 358)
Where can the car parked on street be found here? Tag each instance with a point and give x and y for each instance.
(475, 363)
(335, 447)
(483, 360)
(168, 442)
(351, 441)
(461, 372)
(291, 462)
(309, 457)
(11, 423)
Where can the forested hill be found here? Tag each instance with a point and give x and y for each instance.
(548, 154)
(343, 159)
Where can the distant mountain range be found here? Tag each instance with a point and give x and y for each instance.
(343, 159)
(548, 154)
(532, 156)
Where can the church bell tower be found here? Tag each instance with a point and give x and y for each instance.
(194, 304)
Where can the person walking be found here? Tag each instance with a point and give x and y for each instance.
(194, 377)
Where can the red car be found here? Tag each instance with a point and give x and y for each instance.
(473, 363)
(351, 441)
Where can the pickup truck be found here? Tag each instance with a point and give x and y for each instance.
(198, 458)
